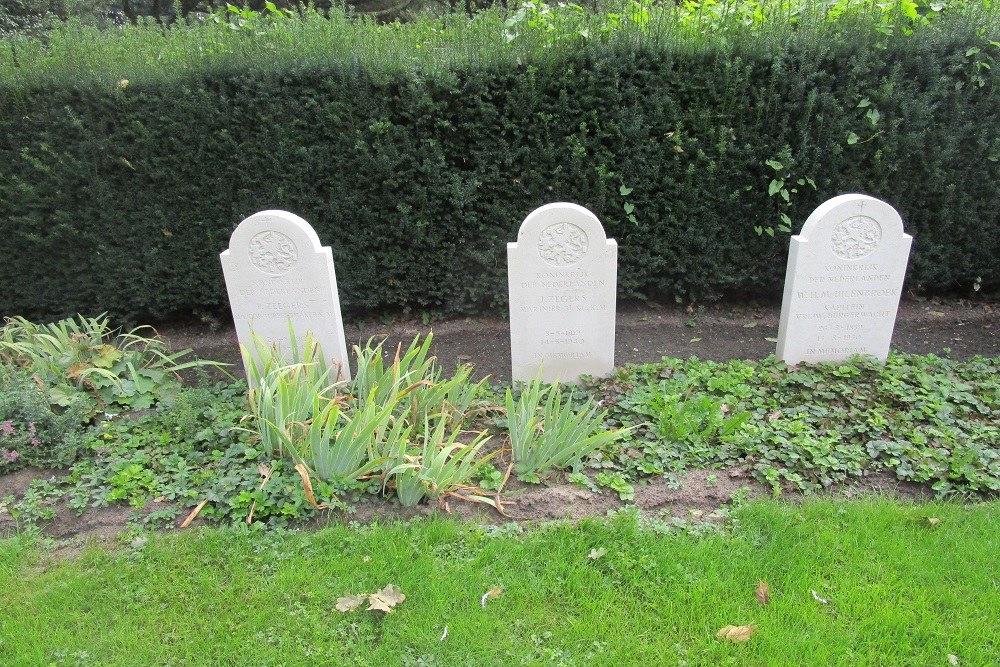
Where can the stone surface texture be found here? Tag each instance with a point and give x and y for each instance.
(843, 282)
(562, 274)
(278, 274)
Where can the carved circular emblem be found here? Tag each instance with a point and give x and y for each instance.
(272, 252)
(856, 237)
(562, 244)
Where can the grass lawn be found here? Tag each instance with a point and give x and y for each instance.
(900, 590)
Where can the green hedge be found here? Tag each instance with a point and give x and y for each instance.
(126, 160)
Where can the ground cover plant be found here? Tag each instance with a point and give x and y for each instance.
(402, 429)
(867, 582)
(56, 378)
(925, 419)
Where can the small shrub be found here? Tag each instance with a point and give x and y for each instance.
(440, 467)
(33, 432)
(546, 432)
(84, 357)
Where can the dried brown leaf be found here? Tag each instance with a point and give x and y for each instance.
(307, 485)
(763, 594)
(350, 602)
(393, 594)
(375, 603)
(385, 599)
(736, 634)
(491, 594)
(194, 514)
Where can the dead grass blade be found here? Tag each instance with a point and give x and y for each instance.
(307, 485)
(194, 513)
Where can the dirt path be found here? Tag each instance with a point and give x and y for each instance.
(646, 333)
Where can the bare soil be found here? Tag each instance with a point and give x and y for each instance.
(645, 333)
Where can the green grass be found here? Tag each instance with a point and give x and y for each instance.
(901, 592)
(74, 52)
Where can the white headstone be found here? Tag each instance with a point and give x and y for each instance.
(562, 274)
(277, 273)
(843, 282)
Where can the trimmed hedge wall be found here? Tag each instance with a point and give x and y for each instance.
(118, 196)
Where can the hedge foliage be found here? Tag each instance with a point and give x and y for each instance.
(127, 158)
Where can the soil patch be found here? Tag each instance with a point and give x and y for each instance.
(645, 333)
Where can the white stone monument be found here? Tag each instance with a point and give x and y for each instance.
(562, 274)
(277, 273)
(843, 282)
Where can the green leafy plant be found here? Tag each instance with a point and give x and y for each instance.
(783, 185)
(410, 370)
(697, 422)
(441, 467)
(617, 482)
(193, 452)
(283, 396)
(628, 206)
(33, 431)
(546, 432)
(489, 478)
(84, 356)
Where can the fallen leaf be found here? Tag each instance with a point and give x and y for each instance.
(350, 602)
(933, 521)
(763, 594)
(597, 553)
(694, 340)
(724, 408)
(491, 594)
(444, 635)
(818, 598)
(774, 415)
(385, 599)
(937, 313)
(769, 339)
(375, 603)
(366, 559)
(737, 634)
(749, 325)
(952, 659)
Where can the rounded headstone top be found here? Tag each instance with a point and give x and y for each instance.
(274, 240)
(855, 225)
(561, 233)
